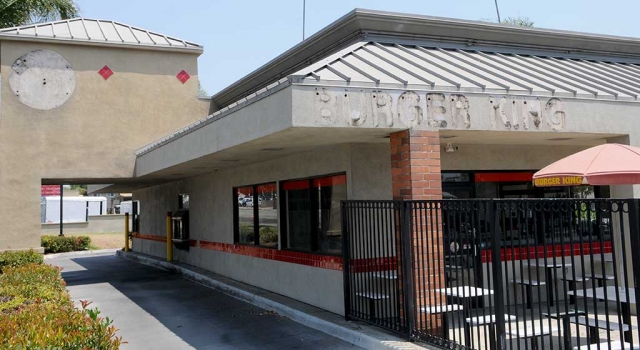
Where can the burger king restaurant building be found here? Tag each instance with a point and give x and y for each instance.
(378, 106)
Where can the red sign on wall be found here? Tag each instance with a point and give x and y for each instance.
(50, 190)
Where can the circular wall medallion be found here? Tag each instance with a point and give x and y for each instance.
(42, 79)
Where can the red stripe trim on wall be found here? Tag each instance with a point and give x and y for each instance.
(330, 262)
(504, 177)
(548, 251)
(308, 259)
(149, 237)
(295, 185)
(330, 181)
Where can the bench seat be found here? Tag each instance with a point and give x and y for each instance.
(575, 278)
(440, 309)
(616, 345)
(602, 324)
(373, 295)
(528, 282)
(529, 332)
(483, 320)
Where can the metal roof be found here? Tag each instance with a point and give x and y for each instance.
(393, 65)
(362, 24)
(97, 31)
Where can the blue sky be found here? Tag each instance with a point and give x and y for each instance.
(241, 35)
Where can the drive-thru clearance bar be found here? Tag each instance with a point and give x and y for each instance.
(560, 181)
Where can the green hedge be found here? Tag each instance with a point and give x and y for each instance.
(63, 244)
(19, 258)
(36, 312)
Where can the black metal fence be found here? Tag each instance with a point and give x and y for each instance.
(495, 274)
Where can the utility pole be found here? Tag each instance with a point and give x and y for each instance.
(304, 13)
(61, 190)
(498, 11)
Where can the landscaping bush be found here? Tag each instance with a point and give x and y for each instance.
(268, 235)
(62, 244)
(37, 313)
(19, 258)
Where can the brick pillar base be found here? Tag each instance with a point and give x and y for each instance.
(416, 175)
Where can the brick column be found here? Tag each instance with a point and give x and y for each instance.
(416, 175)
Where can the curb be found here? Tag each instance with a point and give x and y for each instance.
(368, 338)
(80, 253)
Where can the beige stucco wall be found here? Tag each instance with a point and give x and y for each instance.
(96, 224)
(211, 216)
(95, 133)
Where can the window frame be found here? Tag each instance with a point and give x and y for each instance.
(256, 216)
(314, 221)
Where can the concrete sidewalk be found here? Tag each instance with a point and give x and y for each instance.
(157, 309)
(357, 333)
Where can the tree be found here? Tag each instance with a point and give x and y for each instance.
(20, 12)
(82, 189)
(201, 91)
(518, 21)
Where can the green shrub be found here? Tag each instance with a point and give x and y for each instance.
(37, 313)
(19, 258)
(268, 235)
(62, 244)
(246, 233)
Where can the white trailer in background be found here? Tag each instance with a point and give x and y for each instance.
(126, 207)
(74, 208)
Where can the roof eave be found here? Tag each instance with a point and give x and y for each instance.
(359, 22)
(76, 41)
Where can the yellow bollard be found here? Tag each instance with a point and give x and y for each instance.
(169, 237)
(126, 232)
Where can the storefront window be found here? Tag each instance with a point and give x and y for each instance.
(312, 214)
(255, 215)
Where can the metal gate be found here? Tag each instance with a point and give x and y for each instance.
(493, 274)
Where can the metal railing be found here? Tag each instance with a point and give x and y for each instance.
(495, 274)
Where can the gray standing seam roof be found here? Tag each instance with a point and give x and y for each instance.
(373, 64)
(97, 31)
(392, 65)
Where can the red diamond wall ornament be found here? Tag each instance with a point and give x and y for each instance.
(105, 72)
(183, 76)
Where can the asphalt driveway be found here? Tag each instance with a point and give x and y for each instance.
(155, 309)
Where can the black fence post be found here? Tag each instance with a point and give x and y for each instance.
(346, 258)
(634, 233)
(407, 270)
(496, 265)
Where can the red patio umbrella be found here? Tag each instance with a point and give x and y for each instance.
(608, 164)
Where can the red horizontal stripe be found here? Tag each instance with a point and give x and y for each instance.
(504, 177)
(149, 237)
(330, 181)
(548, 251)
(314, 260)
(295, 185)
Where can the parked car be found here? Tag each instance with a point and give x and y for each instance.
(248, 202)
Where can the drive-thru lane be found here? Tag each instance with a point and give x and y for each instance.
(155, 309)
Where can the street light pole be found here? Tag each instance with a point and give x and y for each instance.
(61, 189)
(304, 12)
(497, 11)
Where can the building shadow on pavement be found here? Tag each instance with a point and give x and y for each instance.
(160, 310)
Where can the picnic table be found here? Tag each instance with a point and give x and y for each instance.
(565, 316)
(549, 266)
(626, 297)
(465, 295)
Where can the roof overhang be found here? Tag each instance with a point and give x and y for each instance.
(45, 40)
(360, 23)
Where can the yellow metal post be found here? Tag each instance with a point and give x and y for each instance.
(169, 236)
(126, 232)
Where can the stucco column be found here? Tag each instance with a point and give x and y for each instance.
(415, 173)
(624, 191)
